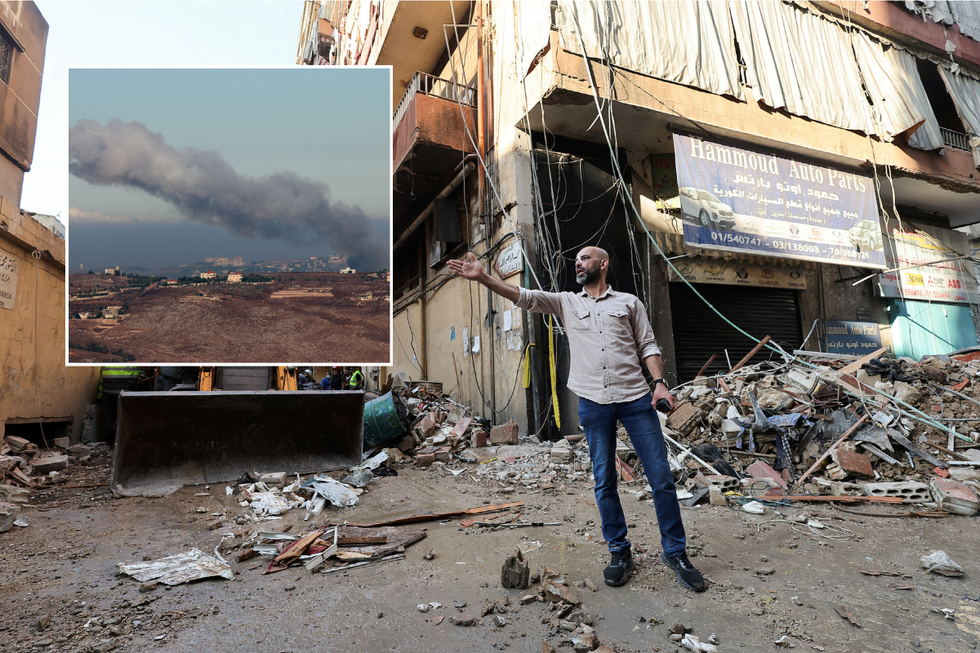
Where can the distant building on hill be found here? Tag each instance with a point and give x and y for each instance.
(234, 277)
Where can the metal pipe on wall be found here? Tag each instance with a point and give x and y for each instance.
(450, 187)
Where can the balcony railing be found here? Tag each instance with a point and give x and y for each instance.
(427, 84)
(957, 140)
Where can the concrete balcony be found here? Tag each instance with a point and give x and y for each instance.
(431, 135)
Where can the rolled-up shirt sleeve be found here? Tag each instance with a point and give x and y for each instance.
(646, 341)
(540, 301)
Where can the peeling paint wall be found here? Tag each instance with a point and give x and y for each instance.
(35, 383)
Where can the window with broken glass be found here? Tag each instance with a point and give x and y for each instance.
(6, 56)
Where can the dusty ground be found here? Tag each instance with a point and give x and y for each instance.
(766, 580)
(321, 319)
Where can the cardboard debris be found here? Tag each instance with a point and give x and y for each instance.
(178, 569)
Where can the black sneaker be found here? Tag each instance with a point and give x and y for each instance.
(689, 577)
(616, 573)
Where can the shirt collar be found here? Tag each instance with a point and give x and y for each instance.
(609, 293)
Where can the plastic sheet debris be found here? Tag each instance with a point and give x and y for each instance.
(178, 569)
(939, 562)
(333, 491)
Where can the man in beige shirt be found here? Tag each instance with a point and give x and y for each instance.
(609, 334)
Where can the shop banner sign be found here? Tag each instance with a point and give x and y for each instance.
(922, 265)
(737, 273)
(845, 337)
(741, 200)
(8, 280)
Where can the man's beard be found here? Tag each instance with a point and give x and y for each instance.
(586, 276)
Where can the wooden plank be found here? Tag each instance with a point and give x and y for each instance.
(415, 519)
(850, 368)
(710, 361)
(752, 352)
(358, 541)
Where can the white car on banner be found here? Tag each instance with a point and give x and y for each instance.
(866, 235)
(705, 210)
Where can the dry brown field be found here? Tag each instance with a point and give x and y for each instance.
(297, 318)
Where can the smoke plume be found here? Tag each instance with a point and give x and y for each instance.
(206, 189)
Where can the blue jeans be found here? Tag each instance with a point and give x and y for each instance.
(643, 427)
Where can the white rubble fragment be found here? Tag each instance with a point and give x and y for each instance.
(754, 508)
(939, 562)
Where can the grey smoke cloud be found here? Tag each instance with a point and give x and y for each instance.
(206, 189)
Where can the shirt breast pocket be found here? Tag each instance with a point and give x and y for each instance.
(619, 322)
(580, 320)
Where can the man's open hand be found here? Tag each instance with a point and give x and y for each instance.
(471, 269)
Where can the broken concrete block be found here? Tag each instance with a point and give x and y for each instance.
(964, 474)
(14, 494)
(504, 434)
(553, 591)
(48, 464)
(955, 497)
(480, 438)
(760, 469)
(79, 450)
(561, 452)
(406, 444)
(854, 464)
(274, 479)
(716, 496)
(909, 491)
(19, 445)
(426, 427)
(726, 483)
(425, 459)
(62, 443)
(775, 400)
(515, 572)
(907, 393)
(8, 515)
(443, 454)
(835, 472)
(684, 418)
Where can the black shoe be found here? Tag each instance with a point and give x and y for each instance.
(689, 577)
(618, 570)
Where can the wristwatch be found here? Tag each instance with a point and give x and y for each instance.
(656, 381)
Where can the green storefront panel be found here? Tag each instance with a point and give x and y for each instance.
(923, 328)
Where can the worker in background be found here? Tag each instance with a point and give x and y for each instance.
(357, 379)
(305, 380)
(325, 382)
(112, 381)
(337, 380)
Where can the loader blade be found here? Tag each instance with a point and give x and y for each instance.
(166, 440)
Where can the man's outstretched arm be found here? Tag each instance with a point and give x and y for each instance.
(474, 271)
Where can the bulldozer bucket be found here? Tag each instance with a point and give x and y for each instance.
(165, 440)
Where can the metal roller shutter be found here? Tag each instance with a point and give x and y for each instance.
(699, 332)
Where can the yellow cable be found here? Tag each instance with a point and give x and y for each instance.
(527, 366)
(554, 372)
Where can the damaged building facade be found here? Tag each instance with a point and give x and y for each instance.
(40, 396)
(800, 170)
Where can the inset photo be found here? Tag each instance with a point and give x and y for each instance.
(229, 215)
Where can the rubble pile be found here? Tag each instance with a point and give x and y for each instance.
(877, 430)
(891, 431)
(25, 466)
